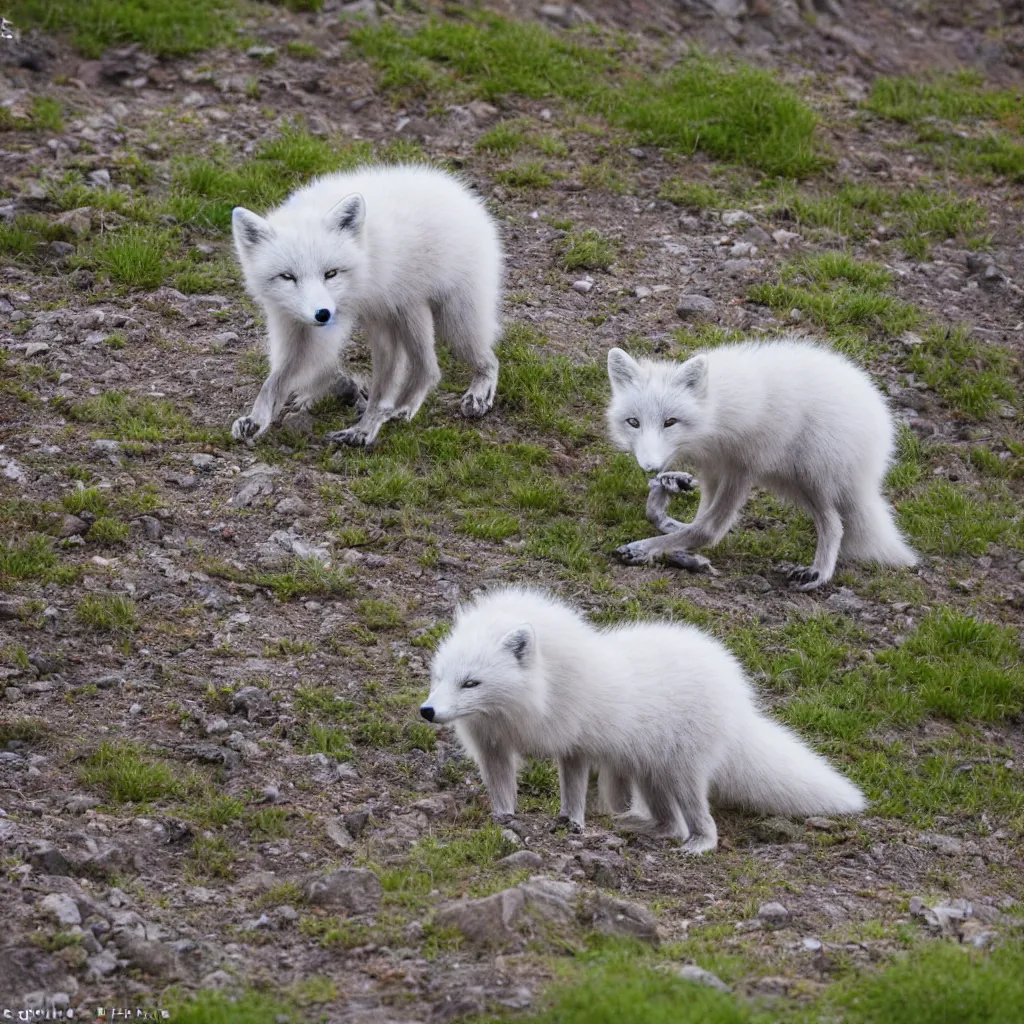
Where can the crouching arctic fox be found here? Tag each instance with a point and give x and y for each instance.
(664, 711)
(797, 419)
(403, 252)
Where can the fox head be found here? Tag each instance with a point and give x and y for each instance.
(484, 668)
(306, 269)
(656, 406)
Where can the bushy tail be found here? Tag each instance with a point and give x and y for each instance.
(870, 534)
(771, 770)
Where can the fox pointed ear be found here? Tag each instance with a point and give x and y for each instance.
(347, 215)
(521, 642)
(623, 369)
(249, 229)
(693, 375)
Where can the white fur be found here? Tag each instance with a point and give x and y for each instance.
(661, 707)
(790, 416)
(402, 251)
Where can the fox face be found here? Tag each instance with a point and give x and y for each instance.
(308, 270)
(655, 406)
(473, 675)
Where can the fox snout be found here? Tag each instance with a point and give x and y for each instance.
(427, 712)
(322, 316)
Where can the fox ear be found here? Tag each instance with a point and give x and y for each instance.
(520, 642)
(348, 214)
(623, 369)
(249, 229)
(693, 375)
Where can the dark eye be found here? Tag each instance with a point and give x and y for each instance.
(286, 277)
(330, 274)
(633, 422)
(671, 421)
(470, 683)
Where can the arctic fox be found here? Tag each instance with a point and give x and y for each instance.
(660, 707)
(797, 419)
(403, 251)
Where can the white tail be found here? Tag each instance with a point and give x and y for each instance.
(870, 534)
(771, 770)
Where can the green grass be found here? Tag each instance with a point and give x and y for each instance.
(32, 559)
(945, 519)
(137, 256)
(222, 1008)
(109, 532)
(587, 250)
(973, 378)
(129, 417)
(306, 577)
(528, 174)
(125, 773)
(167, 28)
(729, 111)
(108, 613)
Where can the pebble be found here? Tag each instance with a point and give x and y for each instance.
(772, 914)
(583, 286)
(690, 306)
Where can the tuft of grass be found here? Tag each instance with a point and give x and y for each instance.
(694, 195)
(166, 28)
(109, 532)
(222, 1008)
(327, 739)
(307, 576)
(504, 138)
(529, 174)
(729, 111)
(138, 256)
(380, 614)
(32, 559)
(110, 613)
(948, 520)
(212, 858)
(587, 250)
(952, 97)
(970, 376)
(125, 773)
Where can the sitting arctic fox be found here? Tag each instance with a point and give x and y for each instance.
(403, 252)
(790, 416)
(661, 708)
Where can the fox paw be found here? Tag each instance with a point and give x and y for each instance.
(694, 846)
(634, 554)
(674, 483)
(244, 428)
(354, 437)
(474, 405)
(564, 821)
(805, 578)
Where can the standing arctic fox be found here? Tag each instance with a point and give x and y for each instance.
(660, 707)
(403, 251)
(797, 419)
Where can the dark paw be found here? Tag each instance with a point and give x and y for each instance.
(354, 437)
(475, 406)
(633, 554)
(675, 483)
(563, 821)
(244, 427)
(689, 561)
(348, 392)
(804, 578)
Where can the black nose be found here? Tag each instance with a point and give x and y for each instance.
(427, 712)
(322, 316)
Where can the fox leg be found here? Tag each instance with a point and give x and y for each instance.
(692, 794)
(498, 768)
(572, 783)
(660, 490)
(416, 336)
(615, 790)
(829, 526)
(665, 820)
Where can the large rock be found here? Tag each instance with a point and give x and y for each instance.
(62, 908)
(612, 916)
(355, 890)
(486, 922)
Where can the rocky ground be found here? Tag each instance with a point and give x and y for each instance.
(212, 774)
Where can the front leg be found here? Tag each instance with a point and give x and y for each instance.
(271, 399)
(498, 768)
(660, 490)
(572, 784)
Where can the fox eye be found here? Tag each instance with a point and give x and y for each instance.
(470, 683)
(286, 277)
(671, 421)
(633, 422)
(330, 274)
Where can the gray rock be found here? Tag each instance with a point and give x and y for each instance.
(778, 830)
(300, 421)
(731, 218)
(151, 527)
(949, 846)
(338, 834)
(99, 178)
(822, 824)
(485, 922)
(355, 890)
(45, 857)
(772, 914)
(72, 526)
(150, 957)
(694, 306)
(62, 908)
(691, 972)
(522, 860)
(612, 916)
(846, 601)
(355, 822)
(603, 869)
(583, 286)
(292, 507)
(102, 964)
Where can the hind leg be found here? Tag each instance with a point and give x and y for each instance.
(614, 790)
(665, 820)
(692, 795)
(469, 323)
(572, 785)
(829, 527)
(415, 334)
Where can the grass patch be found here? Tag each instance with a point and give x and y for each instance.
(125, 773)
(135, 418)
(971, 377)
(587, 250)
(306, 577)
(32, 559)
(945, 519)
(109, 532)
(109, 613)
(166, 28)
(221, 1008)
(731, 112)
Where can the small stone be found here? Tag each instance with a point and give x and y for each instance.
(691, 972)
(292, 507)
(355, 822)
(61, 907)
(135, 709)
(355, 890)
(778, 830)
(216, 726)
(72, 526)
(772, 914)
(742, 249)
(337, 832)
(812, 945)
(783, 237)
(583, 286)
(483, 113)
(949, 846)
(822, 824)
(694, 306)
(151, 527)
(226, 338)
(522, 860)
(485, 922)
(730, 218)
(271, 794)
(99, 178)
(642, 291)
